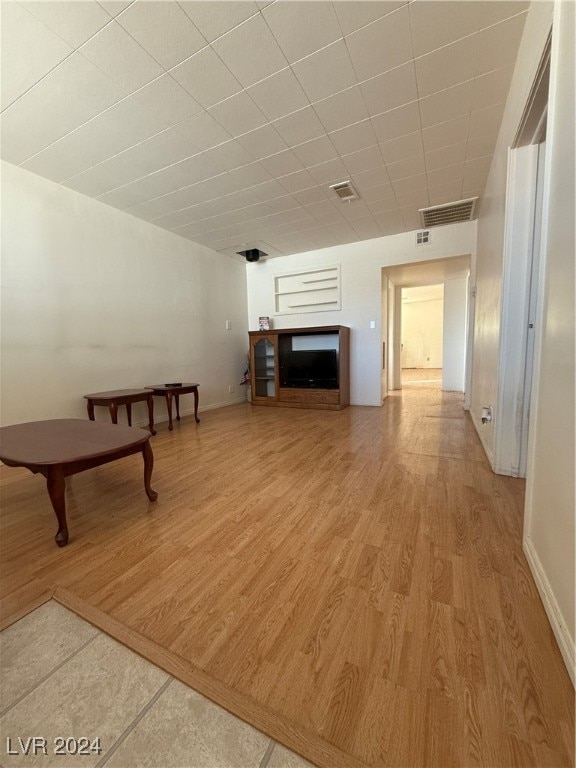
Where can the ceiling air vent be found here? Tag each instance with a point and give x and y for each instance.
(449, 213)
(345, 190)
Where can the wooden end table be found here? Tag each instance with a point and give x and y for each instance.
(122, 397)
(62, 447)
(169, 391)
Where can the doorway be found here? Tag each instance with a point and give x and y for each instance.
(422, 324)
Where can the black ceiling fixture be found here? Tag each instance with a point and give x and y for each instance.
(252, 254)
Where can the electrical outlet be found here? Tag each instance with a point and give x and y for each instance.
(231, 388)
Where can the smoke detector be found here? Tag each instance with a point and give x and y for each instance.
(448, 213)
(345, 190)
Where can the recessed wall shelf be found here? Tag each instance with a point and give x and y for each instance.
(318, 289)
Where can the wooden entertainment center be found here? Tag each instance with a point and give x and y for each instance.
(270, 354)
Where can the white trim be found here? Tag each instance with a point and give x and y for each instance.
(518, 243)
(565, 642)
(190, 412)
(480, 432)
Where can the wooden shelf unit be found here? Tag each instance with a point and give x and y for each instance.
(268, 350)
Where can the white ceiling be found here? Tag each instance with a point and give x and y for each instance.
(225, 122)
(423, 293)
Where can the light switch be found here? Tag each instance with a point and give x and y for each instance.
(372, 323)
(228, 325)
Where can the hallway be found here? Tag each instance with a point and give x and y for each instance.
(350, 583)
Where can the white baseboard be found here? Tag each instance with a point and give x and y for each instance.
(190, 411)
(480, 432)
(565, 642)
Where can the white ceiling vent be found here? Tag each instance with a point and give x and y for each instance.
(345, 190)
(449, 213)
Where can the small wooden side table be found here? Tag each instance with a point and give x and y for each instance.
(169, 391)
(122, 397)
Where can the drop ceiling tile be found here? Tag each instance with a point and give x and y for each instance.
(480, 147)
(447, 66)
(125, 197)
(215, 19)
(238, 114)
(302, 27)
(70, 95)
(491, 88)
(402, 169)
(375, 178)
(264, 58)
(330, 172)
(163, 29)
(203, 131)
(29, 51)
(121, 58)
(167, 97)
(370, 55)
(299, 127)
(294, 182)
(363, 160)
(282, 163)
(104, 177)
(249, 175)
(397, 122)
(391, 89)
(439, 23)
(324, 210)
(206, 78)
(497, 46)
(438, 158)
(447, 104)
(380, 206)
(366, 228)
(486, 122)
(354, 137)
(411, 184)
(310, 196)
(279, 94)
(416, 198)
(342, 109)
(411, 218)
(262, 142)
(444, 134)
(446, 174)
(354, 14)
(405, 146)
(114, 7)
(230, 155)
(476, 172)
(446, 193)
(378, 196)
(390, 223)
(73, 22)
(122, 126)
(325, 72)
(316, 151)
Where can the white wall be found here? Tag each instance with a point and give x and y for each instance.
(361, 293)
(422, 332)
(455, 314)
(549, 531)
(94, 299)
(489, 259)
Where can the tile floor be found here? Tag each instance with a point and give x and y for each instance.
(61, 678)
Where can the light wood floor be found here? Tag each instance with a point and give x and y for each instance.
(351, 582)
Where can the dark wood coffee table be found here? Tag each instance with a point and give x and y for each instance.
(63, 447)
(168, 391)
(122, 397)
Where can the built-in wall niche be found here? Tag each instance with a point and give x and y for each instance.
(312, 290)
